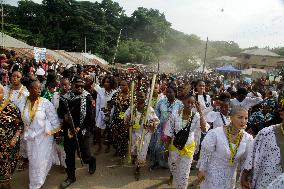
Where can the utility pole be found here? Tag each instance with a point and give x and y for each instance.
(85, 44)
(205, 55)
(158, 64)
(117, 43)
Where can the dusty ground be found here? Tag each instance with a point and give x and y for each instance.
(108, 175)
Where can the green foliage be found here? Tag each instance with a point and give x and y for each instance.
(279, 50)
(146, 34)
(16, 32)
(135, 51)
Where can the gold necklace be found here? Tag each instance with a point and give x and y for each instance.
(10, 93)
(31, 110)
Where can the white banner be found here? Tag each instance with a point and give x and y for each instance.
(39, 53)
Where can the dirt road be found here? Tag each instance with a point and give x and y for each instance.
(108, 175)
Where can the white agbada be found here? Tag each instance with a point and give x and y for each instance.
(101, 102)
(180, 163)
(137, 133)
(39, 138)
(264, 159)
(214, 159)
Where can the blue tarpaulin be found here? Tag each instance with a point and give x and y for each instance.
(228, 69)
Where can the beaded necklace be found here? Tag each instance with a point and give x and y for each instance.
(233, 151)
(136, 124)
(31, 110)
(19, 94)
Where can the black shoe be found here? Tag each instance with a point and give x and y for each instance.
(154, 166)
(92, 165)
(137, 175)
(67, 182)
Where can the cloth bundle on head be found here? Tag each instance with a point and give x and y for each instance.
(40, 72)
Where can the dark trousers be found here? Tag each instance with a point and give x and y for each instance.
(70, 147)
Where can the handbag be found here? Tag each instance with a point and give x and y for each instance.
(181, 137)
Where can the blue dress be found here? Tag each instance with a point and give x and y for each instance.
(163, 111)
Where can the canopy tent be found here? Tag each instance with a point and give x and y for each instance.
(228, 69)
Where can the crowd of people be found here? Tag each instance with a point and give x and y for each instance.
(231, 131)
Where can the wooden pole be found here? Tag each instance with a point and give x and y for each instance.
(147, 111)
(131, 121)
(205, 56)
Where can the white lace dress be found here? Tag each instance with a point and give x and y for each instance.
(180, 162)
(214, 159)
(264, 159)
(277, 183)
(40, 149)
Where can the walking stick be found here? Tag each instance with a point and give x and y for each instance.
(147, 111)
(131, 121)
(74, 129)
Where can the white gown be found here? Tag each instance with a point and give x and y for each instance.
(264, 159)
(38, 135)
(180, 163)
(214, 159)
(101, 102)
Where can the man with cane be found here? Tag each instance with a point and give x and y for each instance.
(75, 108)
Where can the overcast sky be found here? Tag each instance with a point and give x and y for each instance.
(247, 22)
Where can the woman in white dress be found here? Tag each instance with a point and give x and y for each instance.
(223, 150)
(180, 160)
(266, 161)
(206, 106)
(104, 94)
(41, 122)
(15, 92)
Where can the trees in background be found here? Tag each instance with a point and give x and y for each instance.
(146, 35)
